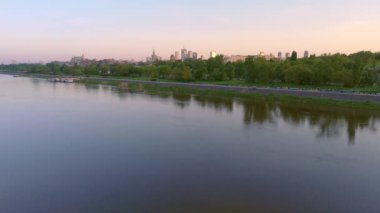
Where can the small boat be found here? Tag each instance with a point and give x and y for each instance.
(68, 80)
(62, 80)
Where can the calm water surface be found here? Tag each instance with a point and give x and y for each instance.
(69, 148)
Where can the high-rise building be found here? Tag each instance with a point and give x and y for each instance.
(236, 58)
(153, 58)
(306, 54)
(279, 55)
(190, 54)
(172, 58)
(195, 56)
(213, 54)
(177, 56)
(183, 54)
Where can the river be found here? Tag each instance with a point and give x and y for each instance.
(73, 148)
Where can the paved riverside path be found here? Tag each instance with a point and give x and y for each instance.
(335, 95)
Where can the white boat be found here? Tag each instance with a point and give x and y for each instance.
(68, 80)
(62, 80)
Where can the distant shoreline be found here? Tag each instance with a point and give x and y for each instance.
(259, 90)
(318, 94)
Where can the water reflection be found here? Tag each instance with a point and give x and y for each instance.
(258, 112)
(182, 100)
(97, 148)
(215, 103)
(330, 122)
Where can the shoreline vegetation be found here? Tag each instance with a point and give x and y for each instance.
(341, 79)
(167, 87)
(358, 72)
(284, 96)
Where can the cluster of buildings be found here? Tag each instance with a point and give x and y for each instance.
(287, 55)
(82, 61)
(184, 55)
(280, 56)
(153, 58)
(76, 61)
(236, 58)
(213, 54)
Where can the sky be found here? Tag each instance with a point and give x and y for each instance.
(46, 30)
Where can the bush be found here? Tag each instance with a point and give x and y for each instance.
(298, 74)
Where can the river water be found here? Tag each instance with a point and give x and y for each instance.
(90, 148)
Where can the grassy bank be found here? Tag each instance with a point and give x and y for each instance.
(289, 99)
(286, 99)
(329, 87)
(364, 89)
(336, 87)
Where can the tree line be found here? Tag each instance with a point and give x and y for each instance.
(358, 69)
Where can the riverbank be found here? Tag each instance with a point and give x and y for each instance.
(336, 98)
(320, 94)
(227, 91)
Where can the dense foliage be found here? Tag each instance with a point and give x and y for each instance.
(359, 69)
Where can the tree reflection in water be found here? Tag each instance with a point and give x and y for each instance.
(330, 121)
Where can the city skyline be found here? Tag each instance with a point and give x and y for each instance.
(46, 31)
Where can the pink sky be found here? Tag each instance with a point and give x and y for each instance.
(45, 31)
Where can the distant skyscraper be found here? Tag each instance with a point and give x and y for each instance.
(279, 56)
(190, 54)
(177, 56)
(213, 54)
(195, 56)
(153, 58)
(172, 58)
(306, 54)
(236, 58)
(183, 54)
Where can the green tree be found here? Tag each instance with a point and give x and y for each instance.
(250, 70)
(294, 56)
(105, 70)
(200, 70)
(216, 68)
(230, 71)
(298, 74)
(92, 69)
(239, 70)
(164, 71)
(182, 73)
